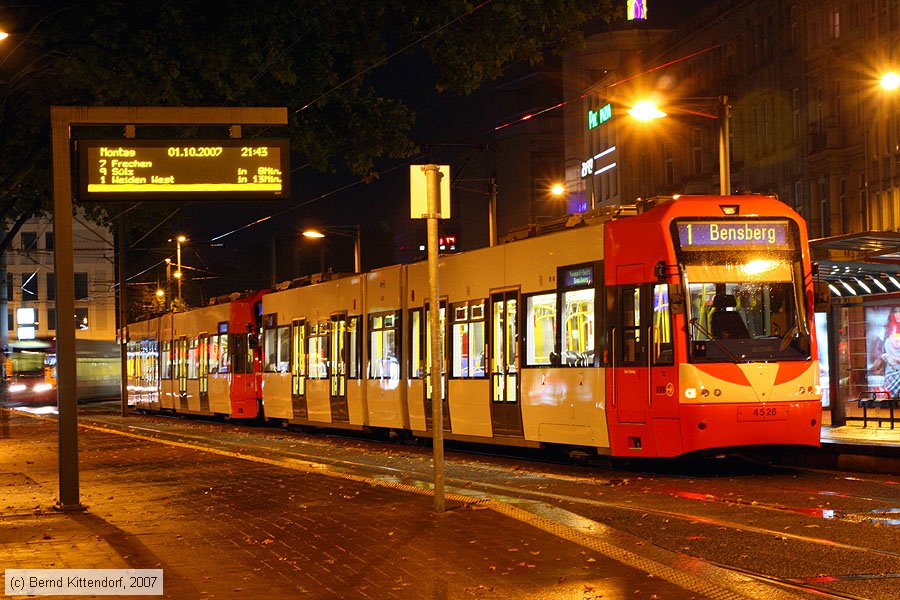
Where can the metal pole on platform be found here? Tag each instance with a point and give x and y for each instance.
(123, 318)
(433, 179)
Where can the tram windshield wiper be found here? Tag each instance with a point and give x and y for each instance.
(696, 323)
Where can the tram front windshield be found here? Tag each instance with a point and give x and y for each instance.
(743, 308)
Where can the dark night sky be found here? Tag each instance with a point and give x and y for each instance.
(245, 259)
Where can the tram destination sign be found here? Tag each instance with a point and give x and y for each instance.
(733, 234)
(230, 169)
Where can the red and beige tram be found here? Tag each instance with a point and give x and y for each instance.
(203, 362)
(653, 330)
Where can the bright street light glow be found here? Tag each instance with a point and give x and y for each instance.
(312, 233)
(890, 81)
(3, 35)
(177, 275)
(160, 293)
(646, 110)
(181, 239)
(558, 189)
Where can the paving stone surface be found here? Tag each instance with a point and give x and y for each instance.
(222, 527)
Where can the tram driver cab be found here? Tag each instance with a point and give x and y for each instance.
(725, 323)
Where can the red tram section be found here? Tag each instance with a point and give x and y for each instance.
(712, 328)
(204, 361)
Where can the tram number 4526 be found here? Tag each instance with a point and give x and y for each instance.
(762, 413)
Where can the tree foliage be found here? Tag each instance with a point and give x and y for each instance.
(314, 56)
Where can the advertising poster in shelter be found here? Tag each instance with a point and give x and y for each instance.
(883, 349)
(822, 343)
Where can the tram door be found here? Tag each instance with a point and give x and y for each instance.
(298, 370)
(429, 406)
(203, 372)
(506, 409)
(631, 376)
(340, 412)
(181, 346)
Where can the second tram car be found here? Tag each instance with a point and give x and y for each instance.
(654, 330)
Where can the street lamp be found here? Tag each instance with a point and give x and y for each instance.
(647, 110)
(348, 231)
(178, 242)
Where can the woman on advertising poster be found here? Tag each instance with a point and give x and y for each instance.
(891, 354)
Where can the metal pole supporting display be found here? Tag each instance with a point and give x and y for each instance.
(433, 179)
(62, 118)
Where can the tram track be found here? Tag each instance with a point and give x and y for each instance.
(540, 503)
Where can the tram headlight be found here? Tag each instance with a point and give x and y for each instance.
(690, 393)
(17, 387)
(42, 387)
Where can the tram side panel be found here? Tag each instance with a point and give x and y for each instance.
(282, 309)
(188, 328)
(466, 281)
(143, 373)
(168, 386)
(385, 348)
(562, 393)
(331, 317)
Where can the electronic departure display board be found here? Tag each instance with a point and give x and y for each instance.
(235, 169)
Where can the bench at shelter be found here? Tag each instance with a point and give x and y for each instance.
(876, 399)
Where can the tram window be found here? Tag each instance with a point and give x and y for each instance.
(353, 347)
(632, 350)
(298, 359)
(212, 357)
(241, 355)
(166, 358)
(468, 343)
(578, 328)
(416, 355)
(318, 350)
(384, 350)
(662, 326)
(223, 353)
(193, 360)
(540, 329)
(151, 367)
(276, 349)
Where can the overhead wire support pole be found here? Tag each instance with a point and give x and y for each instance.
(433, 178)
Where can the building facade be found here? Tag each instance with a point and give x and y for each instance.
(786, 95)
(31, 281)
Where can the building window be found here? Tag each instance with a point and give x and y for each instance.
(51, 286)
(81, 286)
(9, 286)
(10, 325)
(81, 318)
(29, 241)
(670, 164)
(48, 241)
(795, 106)
(697, 151)
(834, 23)
(51, 319)
(795, 24)
(824, 216)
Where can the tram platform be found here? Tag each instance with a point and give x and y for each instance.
(852, 447)
(223, 527)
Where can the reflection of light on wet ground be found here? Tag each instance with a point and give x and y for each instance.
(877, 515)
(37, 410)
